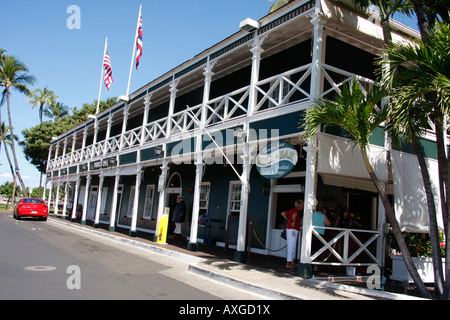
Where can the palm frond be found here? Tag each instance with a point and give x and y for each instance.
(354, 110)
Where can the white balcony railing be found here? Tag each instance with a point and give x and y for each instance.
(273, 92)
(282, 89)
(346, 247)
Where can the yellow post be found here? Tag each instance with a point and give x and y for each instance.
(163, 226)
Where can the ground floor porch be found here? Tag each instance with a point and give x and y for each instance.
(133, 197)
(259, 263)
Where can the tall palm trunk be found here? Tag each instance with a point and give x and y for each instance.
(421, 20)
(444, 192)
(435, 241)
(13, 148)
(5, 145)
(396, 228)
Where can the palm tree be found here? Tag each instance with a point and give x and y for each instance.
(360, 113)
(420, 90)
(13, 75)
(387, 9)
(42, 97)
(56, 110)
(6, 139)
(428, 12)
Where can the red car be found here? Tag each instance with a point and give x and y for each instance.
(31, 207)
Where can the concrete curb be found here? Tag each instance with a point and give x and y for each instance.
(237, 284)
(195, 267)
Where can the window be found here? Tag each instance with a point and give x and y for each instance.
(204, 195)
(104, 197)
(149, 196)
(131, 202)
(34, 201)
(235, 197)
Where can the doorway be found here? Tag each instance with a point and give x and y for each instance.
(283, 194)
(92, 203)
(173, 189)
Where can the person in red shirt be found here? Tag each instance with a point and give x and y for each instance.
(293, 218)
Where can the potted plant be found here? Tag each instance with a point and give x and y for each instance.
(420, 248)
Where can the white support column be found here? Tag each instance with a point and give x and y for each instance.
(173, 95)
(83, 145)
(74, 142)
(317, 57)
(192, 245)
(44, 191)
(66, 191)
(310, 203)
(256, 50)
(65, 146)
(136, 201)
(162, 193)
(55, 204)
(75, 200)
(108, 128)
(112, 219)
(56, 154)
(126, 110)
(99, 201)
(199, 165)
(240, 254)
(49, 158)
(147, 104)
(305, 267)
(96, 125)
(49, 201)
(86, 196)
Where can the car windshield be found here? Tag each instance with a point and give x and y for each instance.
(39, 201)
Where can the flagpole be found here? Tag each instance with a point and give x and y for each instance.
(134, 50)
(101, 80)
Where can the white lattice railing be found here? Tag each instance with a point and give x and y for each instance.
(184, 121)
(346, 247)
(155, 130)
(341, 77)
(283, 89)
(131, 138)
(228, 106)
(277, 91)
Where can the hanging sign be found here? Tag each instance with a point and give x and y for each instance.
(276, 160)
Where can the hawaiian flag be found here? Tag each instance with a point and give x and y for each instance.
(108, 70)
(139, 42)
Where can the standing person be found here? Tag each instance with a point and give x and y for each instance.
(179, 214)
(320, 218)
(293, 218)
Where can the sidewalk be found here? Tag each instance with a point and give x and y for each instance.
(263, 275)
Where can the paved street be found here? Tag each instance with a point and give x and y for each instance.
(38, 260)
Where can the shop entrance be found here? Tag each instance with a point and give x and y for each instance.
(283, 195)
(173, 189)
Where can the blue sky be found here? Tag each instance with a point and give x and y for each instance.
(69, 61)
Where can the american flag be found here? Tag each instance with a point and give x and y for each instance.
(108, 70)
(139, 43)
